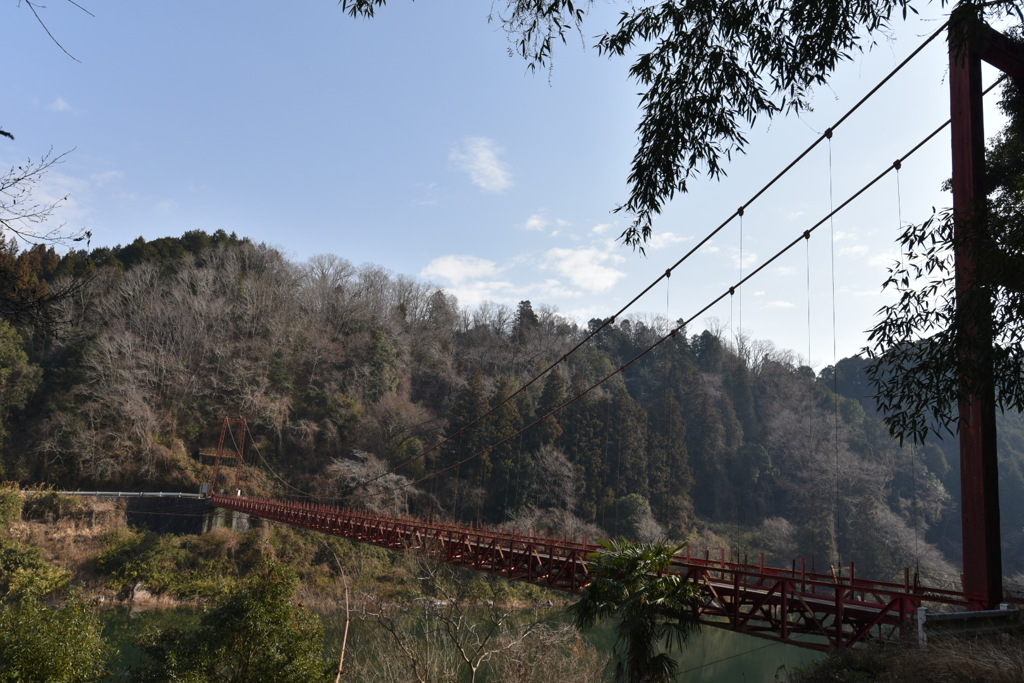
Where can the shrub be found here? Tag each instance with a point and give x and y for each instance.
(11, 502)
(177, 565)
(50, 506)
(39, 643)
(126, 557)
(23, 571)
(253, 634)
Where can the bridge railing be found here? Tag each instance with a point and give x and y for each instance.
(555, 563)
(814, 582)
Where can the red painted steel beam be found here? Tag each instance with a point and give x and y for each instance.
(969, 41)
(998, 50)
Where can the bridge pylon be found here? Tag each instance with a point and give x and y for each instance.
(236, 428)
(971, 41)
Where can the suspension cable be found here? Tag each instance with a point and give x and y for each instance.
(835, 360)
(676, 330)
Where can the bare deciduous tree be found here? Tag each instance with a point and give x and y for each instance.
(23, 214)
(367, 483)
(452, 635)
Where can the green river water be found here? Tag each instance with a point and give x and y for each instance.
(720, 656)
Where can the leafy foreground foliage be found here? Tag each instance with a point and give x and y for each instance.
(915, 369)
(39, 642)
(24, 571)
(254, 634)
(655, 610)
(10, 506)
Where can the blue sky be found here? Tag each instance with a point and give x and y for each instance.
(415, 142)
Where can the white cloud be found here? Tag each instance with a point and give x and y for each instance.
(458, 268)
(856, 250)
(473, 294)
(581, 315)
(785, 270)
(779, 304)
(554, 288)
(479, 158)
(105, 177)
(59, 104)
(585, 267)
(660, 240)
(536, 222)
(748, 260)
(601, 228)
(861, 293)
(71, 197)
(166, 205)
(884, 259)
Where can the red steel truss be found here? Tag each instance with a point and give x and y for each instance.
(220, 454)
(806, 608)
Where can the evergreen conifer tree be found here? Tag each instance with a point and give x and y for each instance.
(510, 466)
(670, 476)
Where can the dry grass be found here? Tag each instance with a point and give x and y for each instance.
(74, 542)
(997, 658)
(993, 658)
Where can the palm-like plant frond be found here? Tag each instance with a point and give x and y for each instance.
(656, 610)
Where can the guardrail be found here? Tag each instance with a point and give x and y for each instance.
(120, 494)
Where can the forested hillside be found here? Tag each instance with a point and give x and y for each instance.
(349, 376)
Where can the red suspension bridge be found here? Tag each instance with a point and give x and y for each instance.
(794, 605)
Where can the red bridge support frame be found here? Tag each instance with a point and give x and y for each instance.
(970, 42)
(808, 609)
(235, 455)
